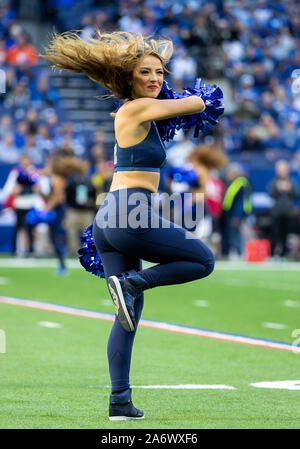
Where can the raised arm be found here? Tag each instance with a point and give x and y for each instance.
(148, 109)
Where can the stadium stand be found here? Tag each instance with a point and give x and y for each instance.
(249, 48)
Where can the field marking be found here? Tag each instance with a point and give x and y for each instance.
(186, 387)
(30, 262)
(291, 303)
(49, 324)
(169, 327)
(2, 342)
(274, 326)
(201, 303)
(281, 384)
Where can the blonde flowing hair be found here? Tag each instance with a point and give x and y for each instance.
(108, 58)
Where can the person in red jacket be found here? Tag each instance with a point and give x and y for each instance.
(22, 53)
(207, 160)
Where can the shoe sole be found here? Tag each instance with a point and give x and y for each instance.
(124, 418)
(119, 302)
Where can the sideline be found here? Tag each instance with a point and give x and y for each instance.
(159, 325)
(31, 262)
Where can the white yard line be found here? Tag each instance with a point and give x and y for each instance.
(274, 326)
(49, 324)
(158, 325)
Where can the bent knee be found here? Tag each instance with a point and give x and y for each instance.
(210, 264)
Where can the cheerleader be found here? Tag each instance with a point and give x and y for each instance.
(132, 67)
(19, 193)
(60, 166)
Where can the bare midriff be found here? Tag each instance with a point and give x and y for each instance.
(141, 179)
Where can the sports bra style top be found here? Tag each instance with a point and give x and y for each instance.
(148, 155)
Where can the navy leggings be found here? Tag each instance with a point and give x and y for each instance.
(179, 259)
(58, 234)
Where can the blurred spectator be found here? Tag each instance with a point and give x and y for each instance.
(87, 25)
(131, 22)
(262, 128)
(81, 199)
(20, 133)
(2, 52)
(12, 33)
(19, 96)
(32, 120)
(247, 110)
(295, 250)
(100, 20)
(69, 138)
(9, 153)
(98, 178)
(5, 125)
(246, 89)
(159, 8)
(51, 120)
(274, 140)
(102, 179)
(97, 152)
(10, 82)
(167, 18)
(207, 161)
(236, 206)
(60, 166)
(43, 95)
(43, 139)
(180, 149)
(290, 136)
(267, 104)
(173, 32)
(267, 59)
(183, 67)
(37, 156)
(282, 45)
(295, 162)
(284, 192)
(260, 76)
(7, 17)
(234, 51)
(185, 19)
(148, 18)
(22, 53)
(21, 196)
(250, 141)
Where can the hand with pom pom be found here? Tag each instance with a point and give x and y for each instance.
(212, 97)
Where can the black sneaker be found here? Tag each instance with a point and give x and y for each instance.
(124, 289)
(121, 407)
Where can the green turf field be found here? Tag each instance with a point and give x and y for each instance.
(58, 377)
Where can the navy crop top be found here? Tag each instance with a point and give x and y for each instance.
(148, 155)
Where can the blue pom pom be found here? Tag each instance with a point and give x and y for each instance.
(212, 97)
(27, 178)
(88, 256)
(183, 174)
(34, 216)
